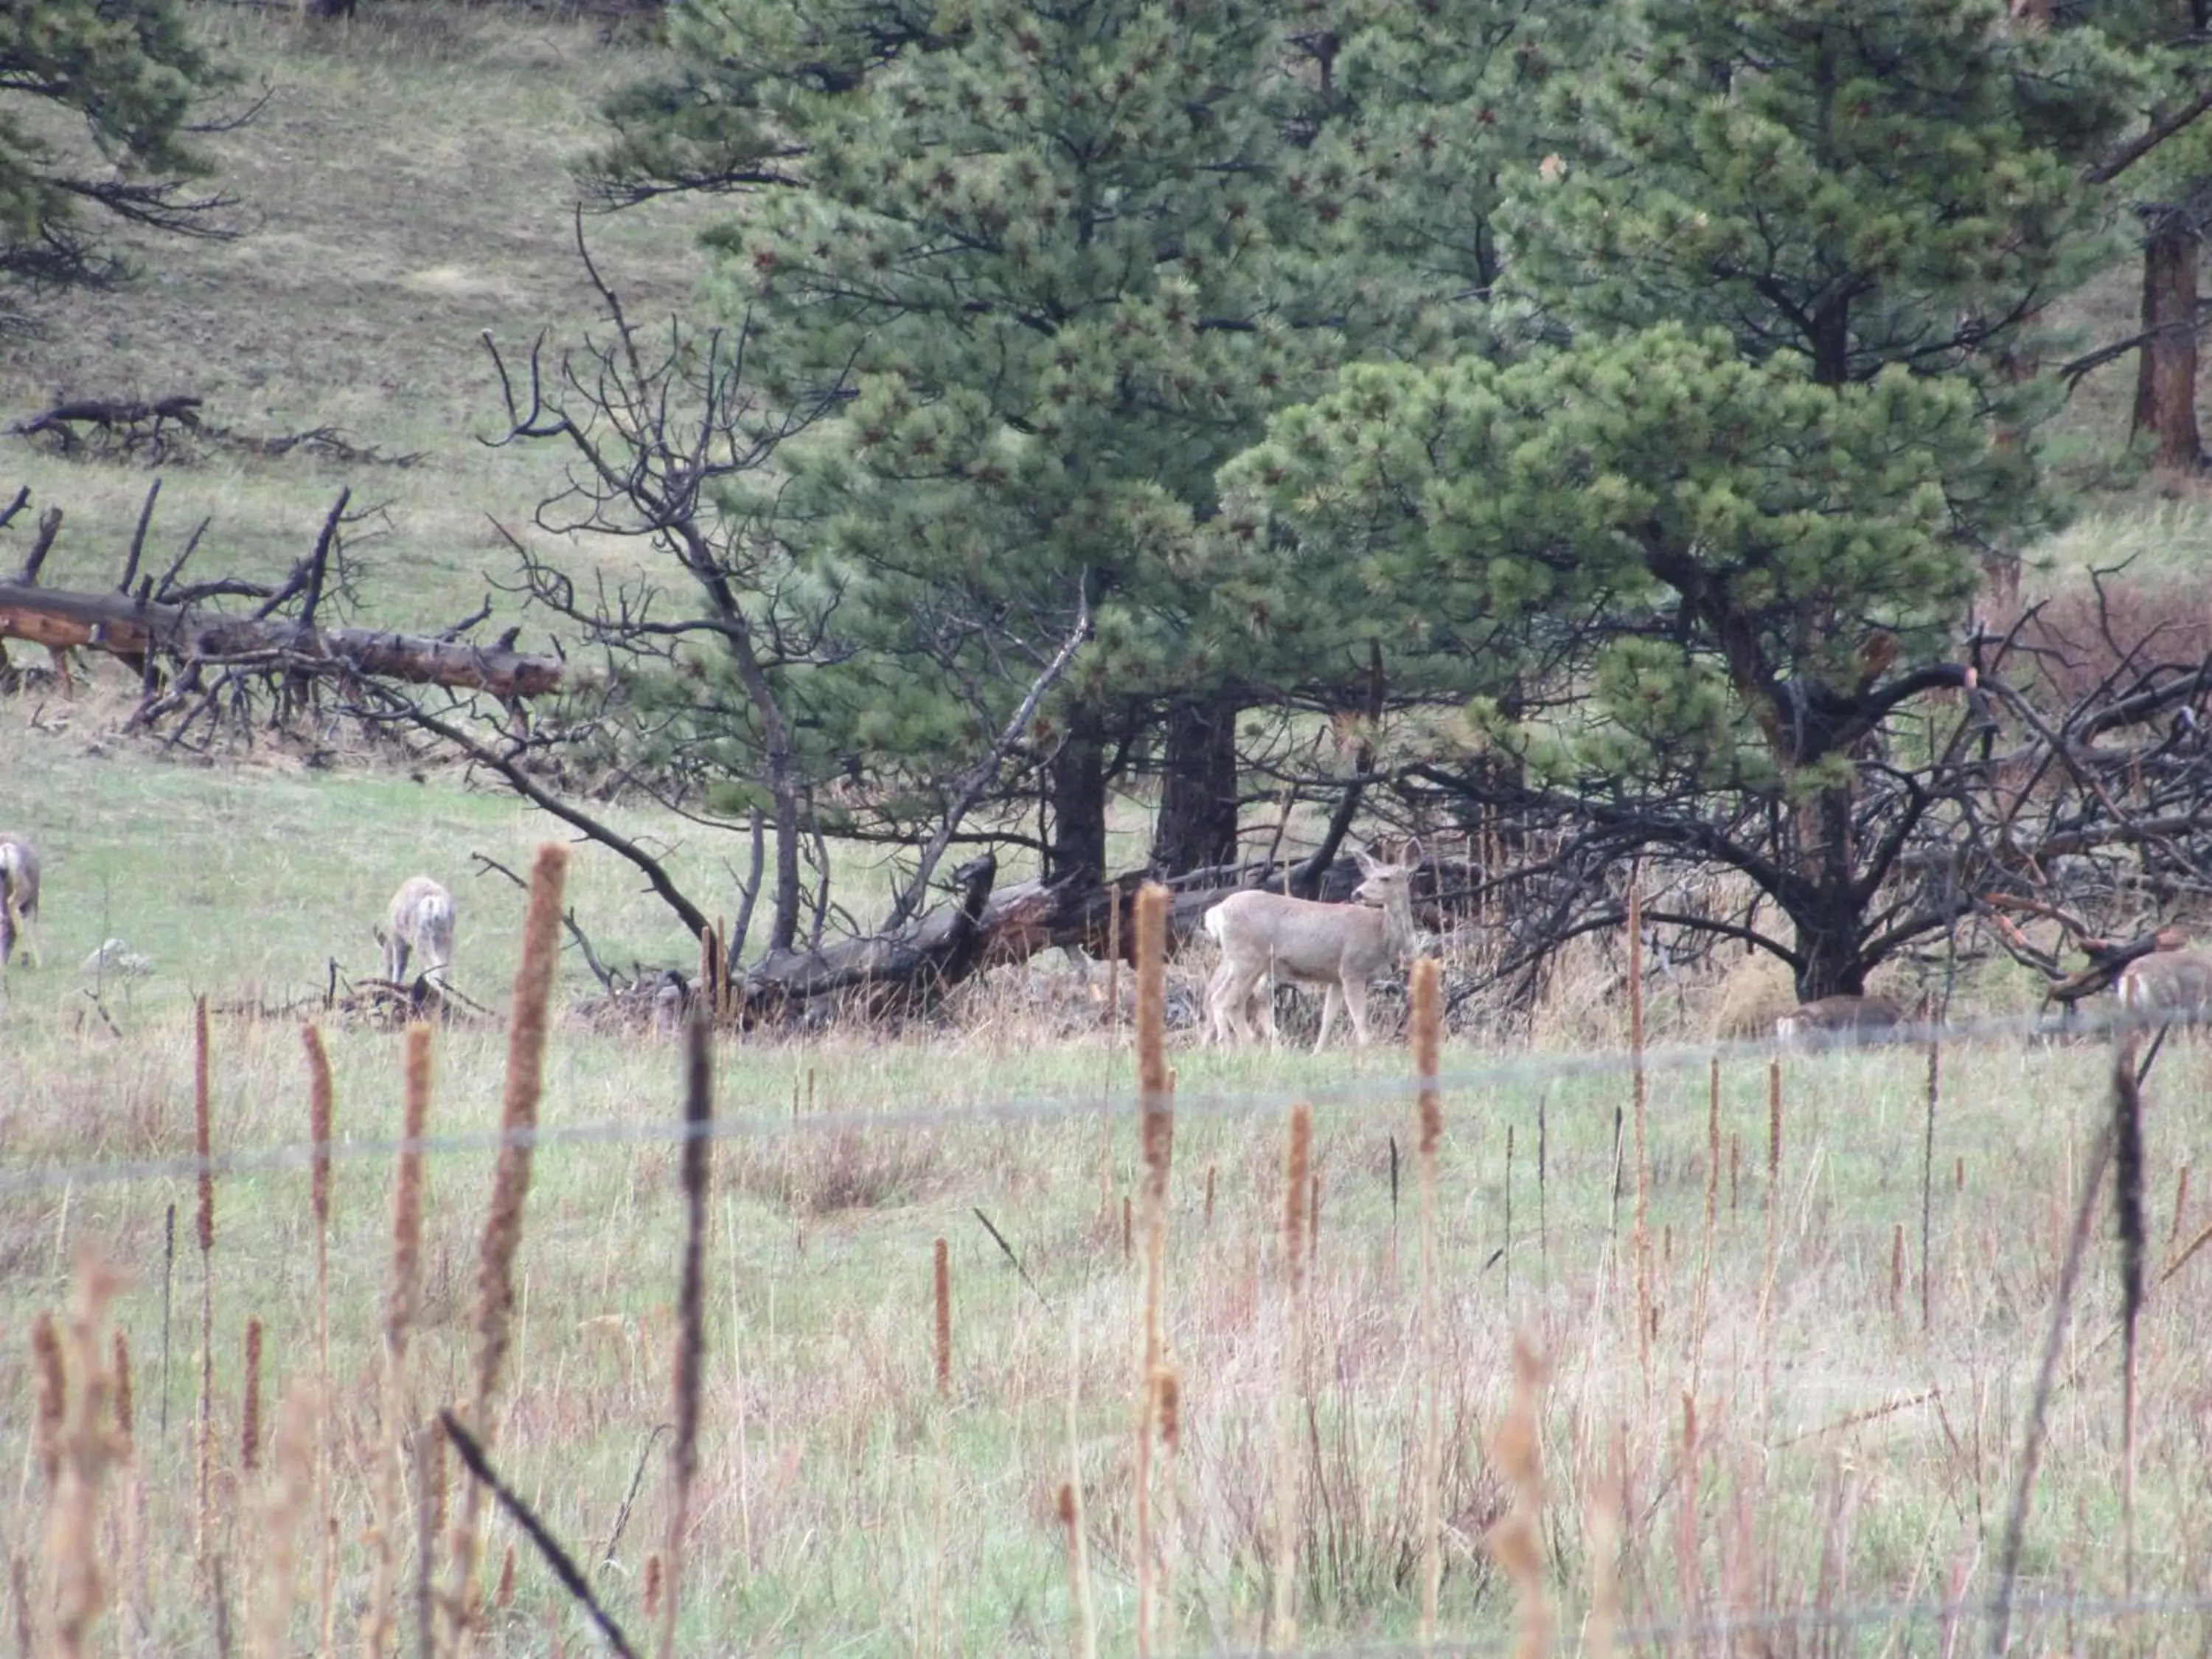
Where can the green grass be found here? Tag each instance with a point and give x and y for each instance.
(845, 1507)
(405, 187)
(1846, 1456)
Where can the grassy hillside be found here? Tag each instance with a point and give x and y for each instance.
(407, 185)
(404, 187)
(1749, 1419)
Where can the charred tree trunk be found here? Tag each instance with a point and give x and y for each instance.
(1075, 846)
(2165, 374)
(1197, 825)
(1824, 905)
(132, 628)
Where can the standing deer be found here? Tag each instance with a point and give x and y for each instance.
(19, 897)
(2172, 985)
(1841, 1019)
(1339, 947)
(420, 919)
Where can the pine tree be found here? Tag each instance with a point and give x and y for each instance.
(1039, 255)
(1728, 530)
(125, 74)
(1420, 114)
(1856, 185)
(2168, 188)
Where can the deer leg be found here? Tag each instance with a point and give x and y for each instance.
(1261, 999)
(1224, 1001)
(1355, 1004)
(1330, 997)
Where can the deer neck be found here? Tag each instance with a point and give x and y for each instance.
(1398, 928)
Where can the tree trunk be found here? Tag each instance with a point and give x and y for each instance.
(2165, 374)
(126, 627)
(1828, 955)
(1197, 825)
(1075, 843)
(1823, 905)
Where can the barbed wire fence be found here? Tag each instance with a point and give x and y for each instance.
(2041, 1623)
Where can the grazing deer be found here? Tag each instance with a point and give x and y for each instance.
(1339, 947)
(1841, 1019)
(420, 919)
(19, 897)
(2172, 985)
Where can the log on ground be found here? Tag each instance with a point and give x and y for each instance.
(127, 627)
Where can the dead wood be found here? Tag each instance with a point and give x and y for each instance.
(167, 429)
(130, 628)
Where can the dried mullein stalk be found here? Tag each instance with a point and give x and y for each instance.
(690, 1306)
(287, 1507)
(124, 1404)
(1428, 1025)
(89, 1448)
(249, 1432)
(1156, 1150)
(1515, 1542)
(501, 1241)
(53, 1396)
(1297, 1161)
(402, 1292)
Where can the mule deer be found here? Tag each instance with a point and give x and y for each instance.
(1339, 947)
(420, 919)
(1841, 1019)
(19, 898)
(2170, 985)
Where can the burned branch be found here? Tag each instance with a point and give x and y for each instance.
(173, 431)
(1977, 794)
(657, 429)
(195, 635)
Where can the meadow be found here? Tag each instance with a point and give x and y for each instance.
(1787, 1414)
(1780, 1425)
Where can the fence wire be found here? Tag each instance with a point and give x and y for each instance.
(1721, 1632)
(2030, 1619)
(1519, 1070)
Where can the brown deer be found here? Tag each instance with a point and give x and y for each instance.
(1841, 1019)
(19, 898)
(2171, 985)
(420, 919)
(1340, 947)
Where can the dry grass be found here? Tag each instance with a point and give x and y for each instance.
(1834, 1453)
(1848, 1467)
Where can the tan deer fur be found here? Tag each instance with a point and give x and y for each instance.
(19, 898)
(420, 920)
(1841, 1019)
(1339, 947)
(2171, 985)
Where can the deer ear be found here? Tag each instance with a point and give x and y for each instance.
(1411, 852)
(1369, 864)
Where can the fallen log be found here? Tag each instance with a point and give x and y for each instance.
(906, 973)
(125, 626)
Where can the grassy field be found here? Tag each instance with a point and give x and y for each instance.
(1749, 1421)
(1784, 1440)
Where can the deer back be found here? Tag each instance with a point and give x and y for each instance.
(2166, 980)
(422, 917)
(1840, 1014)
(1299, 938)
